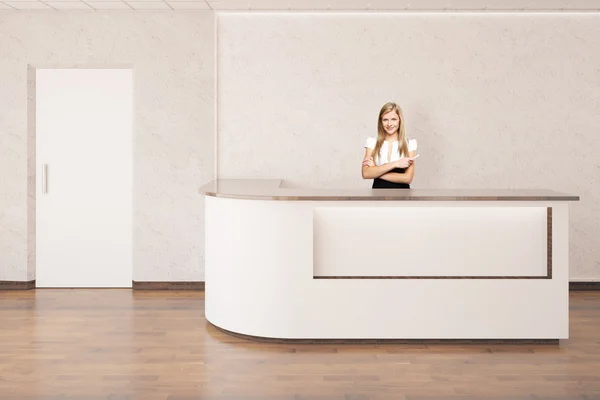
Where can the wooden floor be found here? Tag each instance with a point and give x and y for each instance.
(122, 344)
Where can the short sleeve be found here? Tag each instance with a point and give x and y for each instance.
(412, 145)
(370, 143)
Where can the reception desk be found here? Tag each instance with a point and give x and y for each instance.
(387, 264)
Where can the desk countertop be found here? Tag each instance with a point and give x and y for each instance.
(269, 189)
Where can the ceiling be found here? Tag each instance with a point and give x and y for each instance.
(306, 5)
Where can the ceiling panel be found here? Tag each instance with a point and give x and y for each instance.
(28, 5)
(68, 5)
(149, 5)
(108, 5)
(188, 5)
(309, 5)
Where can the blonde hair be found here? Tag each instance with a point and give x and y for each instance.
(402, 143)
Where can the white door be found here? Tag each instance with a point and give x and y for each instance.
(84, 177)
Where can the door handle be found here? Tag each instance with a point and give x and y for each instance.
(44, 178)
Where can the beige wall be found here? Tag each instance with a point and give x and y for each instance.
(494, 100)
(172, 54)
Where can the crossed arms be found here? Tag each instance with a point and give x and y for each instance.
(372, 171)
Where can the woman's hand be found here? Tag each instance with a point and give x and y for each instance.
(368, 162)
(403, 162)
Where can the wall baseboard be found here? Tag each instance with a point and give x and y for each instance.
(136, 285)
(17, 285)
(196, 285)
(576, 286)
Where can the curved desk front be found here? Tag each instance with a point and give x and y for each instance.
(386, 264)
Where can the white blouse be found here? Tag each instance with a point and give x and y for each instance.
(383, 153)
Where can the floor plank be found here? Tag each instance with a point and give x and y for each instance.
(157, 345)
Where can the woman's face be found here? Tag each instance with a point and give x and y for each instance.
(391, 122)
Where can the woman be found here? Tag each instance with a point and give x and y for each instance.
(389, 158)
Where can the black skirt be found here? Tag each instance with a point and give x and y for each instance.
(383, 184)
